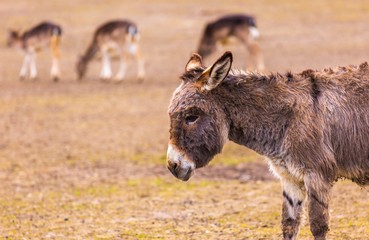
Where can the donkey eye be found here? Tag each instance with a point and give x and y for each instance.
(191, 119)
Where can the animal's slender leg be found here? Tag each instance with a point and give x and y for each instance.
(253, 47)
(33, 69)
(141, 67)
(102, 72)
(292, 208)
(135, 51)
(55, 71)
(25, 65)
(122, 67)
(318, 192)
(106, 66)
(255, 52)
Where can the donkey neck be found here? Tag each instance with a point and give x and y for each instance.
(259, 110)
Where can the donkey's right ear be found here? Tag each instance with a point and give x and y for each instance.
(215, 74)
(195, 62)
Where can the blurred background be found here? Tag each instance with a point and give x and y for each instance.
(86, 160)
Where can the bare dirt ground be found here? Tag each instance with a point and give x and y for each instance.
(87, 160)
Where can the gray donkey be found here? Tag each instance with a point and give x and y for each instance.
(312, 126)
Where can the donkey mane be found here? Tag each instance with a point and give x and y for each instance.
(289, 76)
(307, 82)
(310, 77)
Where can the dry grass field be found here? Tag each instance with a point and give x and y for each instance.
(86, 160)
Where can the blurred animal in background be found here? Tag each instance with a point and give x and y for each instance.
(241, 27)
(43, 35)
(123, 37)
(312, 126)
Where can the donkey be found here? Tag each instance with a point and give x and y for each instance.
(43, 35)
(119, 35)
(242, 27)
(313, 127)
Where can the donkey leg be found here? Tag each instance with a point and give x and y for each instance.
(318, 192)
(25, 65)
(292, 208)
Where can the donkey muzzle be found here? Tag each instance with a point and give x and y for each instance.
(178, 164)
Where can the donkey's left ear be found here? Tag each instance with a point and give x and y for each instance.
(195, 62)
(215, 74)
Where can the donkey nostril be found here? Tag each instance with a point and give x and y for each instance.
(172, 165)
(175, 166)
(172, 168)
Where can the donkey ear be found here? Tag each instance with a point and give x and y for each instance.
(215, 74)
(194, 62)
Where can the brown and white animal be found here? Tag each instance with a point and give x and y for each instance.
(120, 35)
(242, 27)
(44, 35)
(312, 126)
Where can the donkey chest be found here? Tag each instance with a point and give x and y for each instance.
(286, 170)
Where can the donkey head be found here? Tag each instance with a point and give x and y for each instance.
(198, 123)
